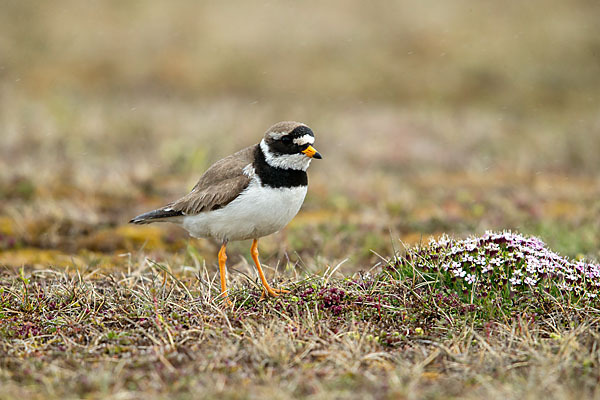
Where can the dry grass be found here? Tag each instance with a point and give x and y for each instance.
(159, 332)
(432, 118)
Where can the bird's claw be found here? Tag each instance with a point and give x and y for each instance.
(272, 292)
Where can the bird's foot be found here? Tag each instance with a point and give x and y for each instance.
(272, 292)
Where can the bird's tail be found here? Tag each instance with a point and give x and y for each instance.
(162, 214)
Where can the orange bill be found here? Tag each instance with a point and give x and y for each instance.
(312, 153)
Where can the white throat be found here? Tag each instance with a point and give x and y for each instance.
(285, 161)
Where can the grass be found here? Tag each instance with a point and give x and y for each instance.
(162, 330)
(432, 118)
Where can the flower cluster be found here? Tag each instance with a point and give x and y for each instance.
(332, 298)
(507, 262)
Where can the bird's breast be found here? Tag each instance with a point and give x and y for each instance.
(258, 211)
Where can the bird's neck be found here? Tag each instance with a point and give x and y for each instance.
(274, 174)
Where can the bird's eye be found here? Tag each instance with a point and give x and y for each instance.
(286, 139)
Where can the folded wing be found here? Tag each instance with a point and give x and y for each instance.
(218, 186)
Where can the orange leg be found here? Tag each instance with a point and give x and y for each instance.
(267, 290)
(223, 272)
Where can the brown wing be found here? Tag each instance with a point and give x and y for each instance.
(219, 185)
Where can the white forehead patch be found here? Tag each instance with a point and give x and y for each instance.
(306, 139)
(277, 135)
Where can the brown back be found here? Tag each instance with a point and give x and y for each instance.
(219, 185)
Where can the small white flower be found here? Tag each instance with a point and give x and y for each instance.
(517, 273)
(531, 269)
(454, 250)
(497, 261)
(459, 272)
(492, 247)
(529, 281)
(515, 281)
(471, 246)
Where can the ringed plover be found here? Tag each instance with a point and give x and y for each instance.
(250, 194)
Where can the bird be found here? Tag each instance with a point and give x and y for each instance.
(248, 195)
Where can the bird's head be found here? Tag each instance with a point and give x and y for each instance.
(288, 145)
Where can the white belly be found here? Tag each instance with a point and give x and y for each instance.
(257, 212)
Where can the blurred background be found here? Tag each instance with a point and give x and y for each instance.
(432, 117)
